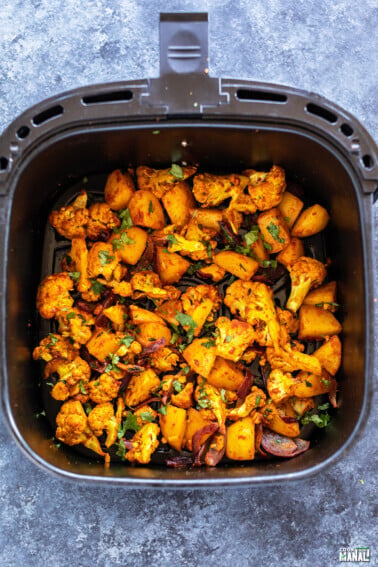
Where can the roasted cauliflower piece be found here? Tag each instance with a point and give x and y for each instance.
(79, 257)
(104, 389)
(102, 261)
(71, 221)
(55, 346)
(150, 285)
(253, 302)
(233, 338)
(101, 220)
(211, 190)
(183, 398)
(209, 397)
(53, 295)
(159, 181)
(102, 418)
(279, 385)
(73, 427)
(164, 360)
(200, 302)
(256, 399)
(305, 274)
(145, 442)
(266, 188)
(289, 359)
(73, 376)
(117, 315)
(141, 387)
(76, 323)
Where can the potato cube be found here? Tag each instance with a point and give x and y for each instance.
(290, 207)
(274, 229)
(311, 221)
(241, 266)
(317, 323)
(173, 426)
(241, 440)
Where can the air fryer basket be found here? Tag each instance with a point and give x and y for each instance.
(226, 125)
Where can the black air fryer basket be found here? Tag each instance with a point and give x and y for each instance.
(226, 125)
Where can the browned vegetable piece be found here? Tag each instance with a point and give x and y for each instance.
(71, 221)
(308, 385)
(179, 202)
(141, 386)
(209, 218)
(159, 181)
(324, 296)
(329, 355)
(53, 295)
(117, 315)
(305, 274)
(79, 257)
(241, 440)
(101, 220)
(281, 446)
(292, 252)
(225, 374)
(233, 337)
(104, 389)
(199, 356)
(290, 208)
(259, 250)
(211, 190)
(195, 422)
(311, 221)
(102, 344)
(150, 332)
(316, 323)
(144, 443)
(55, 346)
(169, 309)
(199, 302)
(213, 272)
(119, 189)
(170, 266)
(102, 261)
(280, 385)
(266, 187)
(138, 315)
(129, 244)
(241, 266)
(173, 426)
(146, 210)
(273, 420)
(274, 229)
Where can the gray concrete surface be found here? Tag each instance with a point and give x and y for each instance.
(47, 46)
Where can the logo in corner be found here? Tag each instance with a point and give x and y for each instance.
(354, 554)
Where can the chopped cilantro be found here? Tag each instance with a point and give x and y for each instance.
(54, 340)
(96, 287)
(177, 386)
(177, 171)
(209, 249)
(150, 207)
(322, 303)
(252, 236)
(209, 343)
(112, 365)
(204, 403)
(287, 219)
(105, 257)
(71, 315)
(228, 339)
(128, 424)
(269, 263)
(193, 268)
(81, 387)
(267, 245)
(186, 320)
(121, 451)
(258, 399)
(118, 243)
(275, 232)
(126, 219)
(40, 414)
(224, 395)
(155, 132)
(320, 420)
(146, 416)
(172, 239)
(325, 382)
(174, 338)
(308, 384)
(127, 340)
(163, 410)
(242, 267)
(323, 407)
(74, 276)
(185, 369)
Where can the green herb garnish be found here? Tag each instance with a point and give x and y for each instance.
(275, 232)
(105, 257)
(126, 219)
(177, 171)
(74, 276)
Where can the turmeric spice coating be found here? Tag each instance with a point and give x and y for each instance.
(165, 327)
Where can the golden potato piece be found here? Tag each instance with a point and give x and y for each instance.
(200, 357)
(102, 261)
(225, 374)
(119, 189)
(317, 323)
(329, 355)
(179, 202)
(103, 344)
(324, 296)
(141, 387)
(311, 221)
(274, 230)
(309, 385)
(213, 272)
(196, 420)
(241, 266)
(146, 210)
(273, 420)
(129, 244)
(241, 440)
(138, 315)
(291, 253)
(148, 333)
(173, 426)
(290, 208)
(170, 266)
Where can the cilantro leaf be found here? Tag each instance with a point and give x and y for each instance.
(186, 320)
(177, 386)
(150, 207)
(121, 451)
(275, 232)
(96, 287)
(269, 263)
(172, 239)
(320, 420)
(128, 424)
(125, 217)
(105, 257)
(209, 343)
(118, 243)
(74, 276)
(177, 171)
(70, 315)
(54, 340)
(252, 236)
(224, 395)
(127, 340)
(147, 416)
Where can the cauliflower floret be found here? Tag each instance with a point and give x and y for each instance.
(183, 398)
(287, 320)
(199, 302)
(102, 261)
(233, 338)
(289, 359)
(256, 399)
(73, 376)
(145, 442)
(254, 303)
(73, 427)
(101, 220)
(53, 295)
(266, 188)
(159, 181)
(211, 190)
(103, 389)
(305, 273)
(145, 414)
(209, 397)
(55, 346)
(123, 289)
(102, 417)
(150, 285)
(280, 385)
(71, 221)
(117, 315)
(79, 257)
(75, 323)
(164, 360)
(141, 387)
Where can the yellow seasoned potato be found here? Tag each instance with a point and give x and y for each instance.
(119, 189)
(241, 440)
(274, 230)
(129, 244)
(324, 296)
(317, 323)
(146, 210)
(148, 333)
(196, 420)
(212, 271)
(241, 266)
(290, 208)
(292, 252)
(173, 426)
(138, 315)
(329, 355)
(141, 387)
(273, 420)
(311, 221)
(102, 344)
(309, 385)
(179, 202)
(225, 374)
(170, 266)
(200, 356)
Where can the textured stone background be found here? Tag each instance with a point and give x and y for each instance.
(48, 46)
